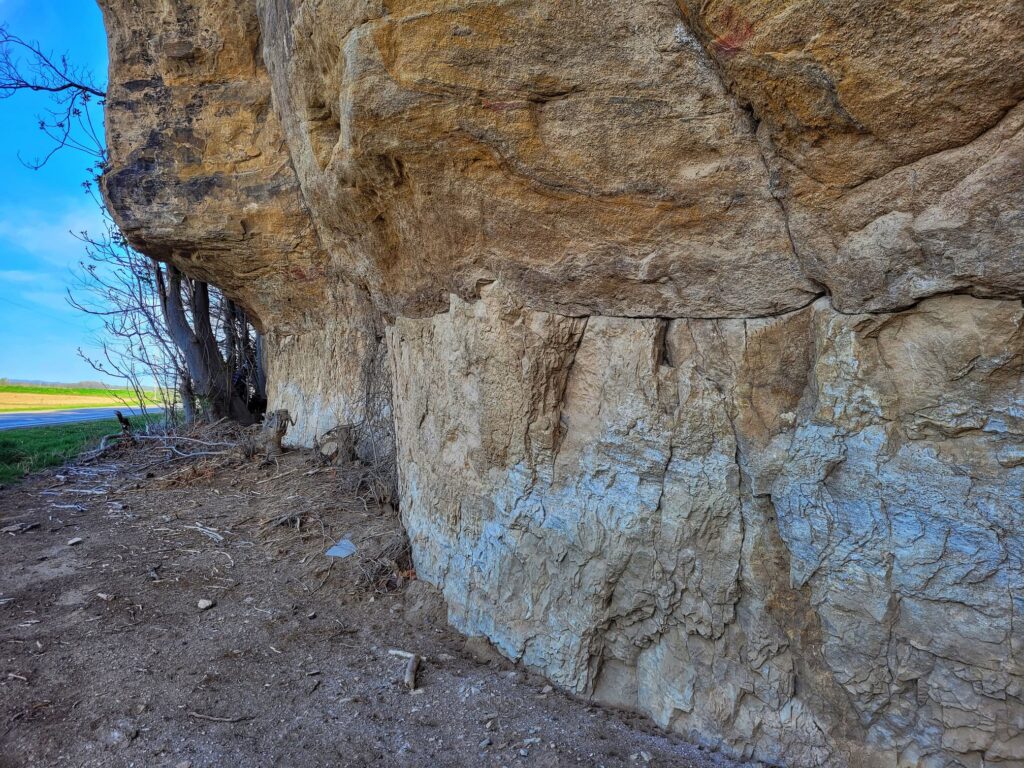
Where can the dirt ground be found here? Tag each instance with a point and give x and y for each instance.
(108, 660)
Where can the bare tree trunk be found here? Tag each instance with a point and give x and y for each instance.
(230, 314)
(250, 357)
(261, 369)
(188, 397)
(198, 344)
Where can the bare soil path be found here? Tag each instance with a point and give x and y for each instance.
(107, 660)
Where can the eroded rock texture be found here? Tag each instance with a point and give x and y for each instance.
(702, 323)
(793, 536)
(200, 175)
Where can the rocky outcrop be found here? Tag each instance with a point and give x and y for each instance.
(701, 325)
(200, 175)
(791, 536)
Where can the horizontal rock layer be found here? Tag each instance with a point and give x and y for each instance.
(699, 326)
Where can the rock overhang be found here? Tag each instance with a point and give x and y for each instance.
(702, 321)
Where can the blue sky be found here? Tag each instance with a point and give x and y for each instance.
(39, 333)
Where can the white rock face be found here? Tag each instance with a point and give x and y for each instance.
(792, 537)
(328, 368)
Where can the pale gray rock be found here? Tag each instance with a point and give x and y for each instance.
(600, 499)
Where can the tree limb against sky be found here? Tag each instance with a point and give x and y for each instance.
(74, 91)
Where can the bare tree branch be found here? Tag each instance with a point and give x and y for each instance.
(25, 67)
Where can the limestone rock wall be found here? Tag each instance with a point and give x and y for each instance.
(793, 537)
(700, 324)
(330, 368)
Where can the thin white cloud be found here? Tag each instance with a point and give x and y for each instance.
(50, 235)
(9, 276)
(41, 253)
(52, 300)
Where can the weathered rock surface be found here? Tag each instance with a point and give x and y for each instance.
(200, 175)
(794, 536)
(198, 169)
(442, 146)
(703, 322)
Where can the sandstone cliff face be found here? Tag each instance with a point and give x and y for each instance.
(702, 320)
(200, 175)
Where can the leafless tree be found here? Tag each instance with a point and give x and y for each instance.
(159, 324)
(163, 326)
(192, 331)
(115, 284)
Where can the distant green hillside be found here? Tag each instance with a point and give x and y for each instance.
(80, 391)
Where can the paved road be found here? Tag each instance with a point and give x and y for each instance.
(47, 418)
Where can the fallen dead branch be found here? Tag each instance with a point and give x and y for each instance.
(215, 719)
(278, 476)
(80, 491)
(167, 441)
(194, 454)
(184, 439)
(208, 532)
(412, 666)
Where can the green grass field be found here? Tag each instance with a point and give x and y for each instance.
(33, 448)
(81, 391)
(17, 398)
